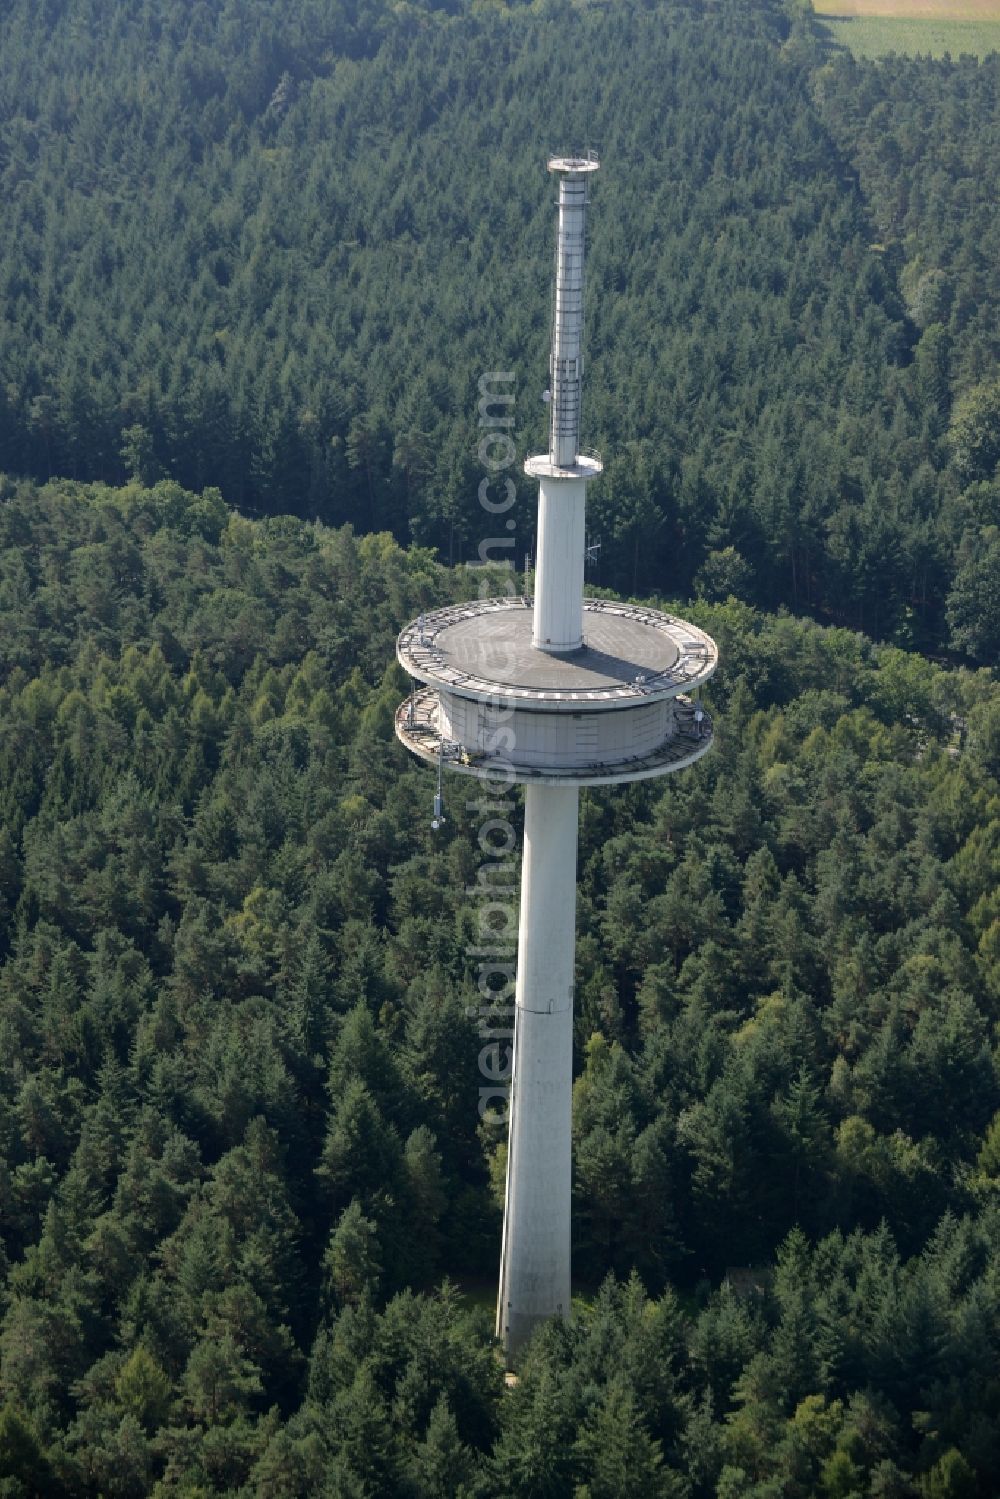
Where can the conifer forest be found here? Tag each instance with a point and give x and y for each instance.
(255, 257)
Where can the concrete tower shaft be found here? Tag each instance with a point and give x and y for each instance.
(535, 1255)
(535, 1258)
(571, 692)
(560, 549)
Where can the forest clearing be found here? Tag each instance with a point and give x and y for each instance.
(912, 10)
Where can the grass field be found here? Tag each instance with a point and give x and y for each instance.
(871, 28)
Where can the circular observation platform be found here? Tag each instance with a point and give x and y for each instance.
(586, 466)
(575, 164)
(495, 706)
(483, 650)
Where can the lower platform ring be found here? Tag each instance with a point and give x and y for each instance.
(417, 727)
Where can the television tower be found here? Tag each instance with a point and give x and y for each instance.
(568, 692)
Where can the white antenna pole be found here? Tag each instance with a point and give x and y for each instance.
(561, 541)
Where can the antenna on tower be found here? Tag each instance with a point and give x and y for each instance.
(566, 358)
(591, 550)
(439, 816)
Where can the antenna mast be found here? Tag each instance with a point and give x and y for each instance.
(564, 471)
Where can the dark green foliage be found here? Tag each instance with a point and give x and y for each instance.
(273, 247)
(974, 601)
(922, 137)
(239, 1136)
(238, 1100)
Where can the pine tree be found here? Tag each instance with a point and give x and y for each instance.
(442, 1466)
(616, 1456)
(352, 1261)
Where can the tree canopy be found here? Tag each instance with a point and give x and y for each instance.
(240, 1142)
(273, 247)
(254, 261)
